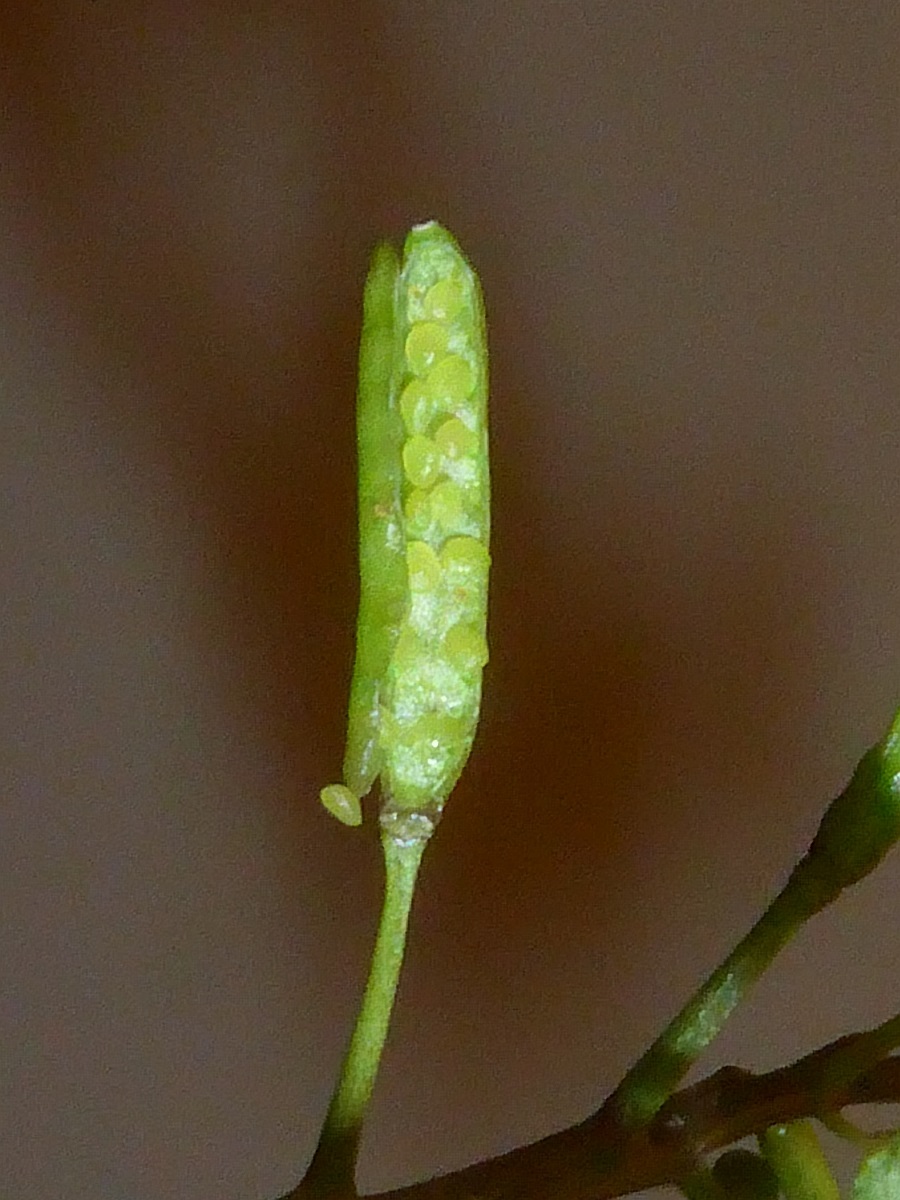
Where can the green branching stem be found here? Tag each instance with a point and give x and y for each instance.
(651, 1081)
(331, 1172)
(599, 1160)
(858, 829)
(864, 1051)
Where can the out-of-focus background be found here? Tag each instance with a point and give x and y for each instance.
(685, 216)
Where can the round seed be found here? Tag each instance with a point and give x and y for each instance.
(342, 803)
(465, 562)
(417, 511)
(409, 651)
(465, 554)
(451, 381)
(424, 567)
(466, 647)
(447, 506)
(421, 460)
(436, 730)
(416, 406)
(423, 749)
(444, 300)
(455, 440)
(426, 344)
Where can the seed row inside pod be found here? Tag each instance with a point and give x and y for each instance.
(433, 687)
(424, 496)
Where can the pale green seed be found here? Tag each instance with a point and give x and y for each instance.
(426, 345)
(423, 565)
(416, 406)
(409, 651)
(422, 681)
(342, 803)
(465, 647)
(451, 381)
(465, 563)
(444, 300)
(435, 731)
(448, 507)
(424, 753)
(455, 440)
(421, 460)
(417, 511)
(466, 554)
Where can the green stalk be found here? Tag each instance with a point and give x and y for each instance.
(650, 1082)
(862, 1052)
(331, 1172)
(858, 829)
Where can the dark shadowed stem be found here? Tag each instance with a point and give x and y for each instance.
(599, 1160)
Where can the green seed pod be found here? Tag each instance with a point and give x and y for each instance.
(383, 593)
(424, 528)
(863, 823)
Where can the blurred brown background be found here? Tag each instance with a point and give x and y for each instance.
(685, 216)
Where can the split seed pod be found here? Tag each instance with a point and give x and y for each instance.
(424, 527)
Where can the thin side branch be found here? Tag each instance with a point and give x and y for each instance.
(599, 1160)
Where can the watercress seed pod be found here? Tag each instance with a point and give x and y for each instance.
(424, 526)
(863, 823)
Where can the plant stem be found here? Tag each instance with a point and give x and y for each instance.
(863, 1052)
(331, 1172)
(598, 1160)
(859, 827)
(650, 1082)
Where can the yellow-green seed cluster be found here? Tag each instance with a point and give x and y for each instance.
(433, 685)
